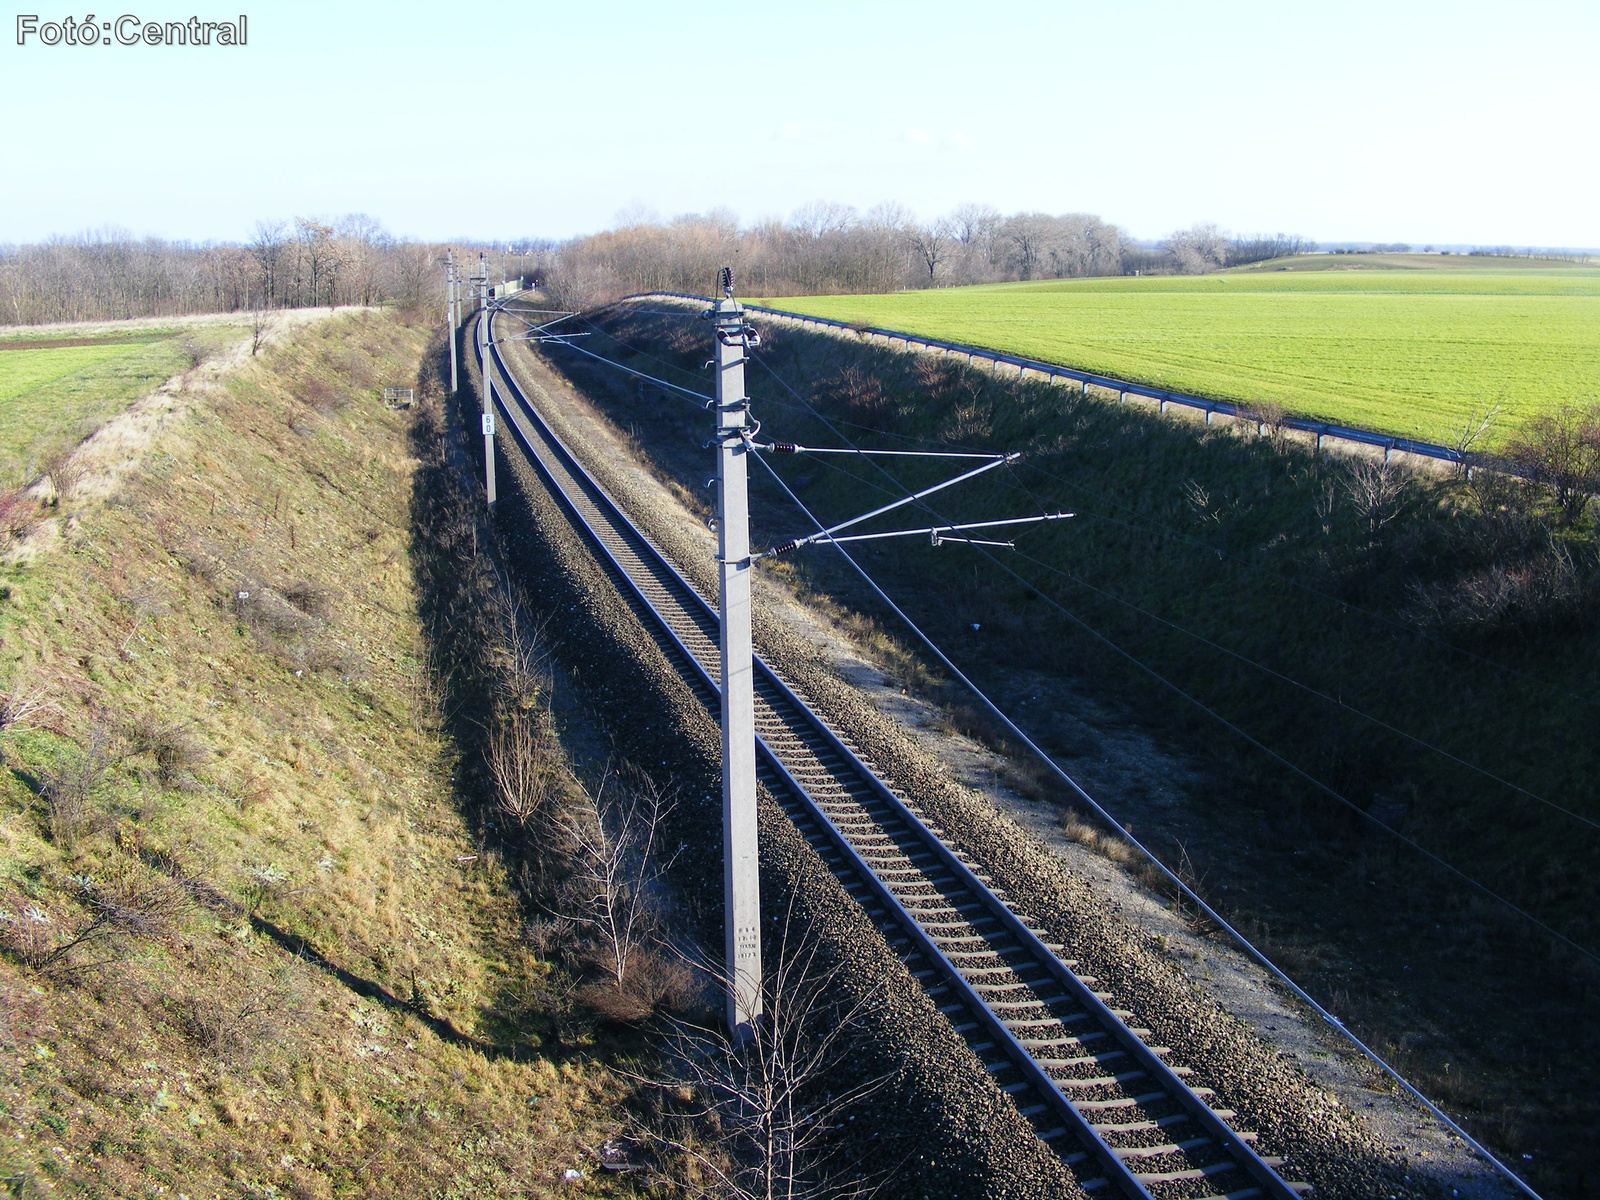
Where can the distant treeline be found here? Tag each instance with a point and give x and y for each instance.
(822, 248)
(111, 275)
(827, 248)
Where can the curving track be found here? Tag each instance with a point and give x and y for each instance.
(1119, 1115)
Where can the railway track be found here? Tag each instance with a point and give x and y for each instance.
(1118, 1114)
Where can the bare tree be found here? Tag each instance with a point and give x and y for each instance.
(776, 1098)
(363, 241)
(315, 243)
(1028, 235)
(932, 244)
(975, 225)
(1471, 430)
(267, 249)
(1376, 489)
(822, 217)
(1198, 249)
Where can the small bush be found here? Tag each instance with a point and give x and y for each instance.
(1560, 450)
(71, 789)
(175, 750)
(234, 1030)
(63, 472)
(312, 599)
(323, 396)
(134, 905)
(654, 983)
(19, 513)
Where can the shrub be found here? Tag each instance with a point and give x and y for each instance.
(134, 905)
(312, 599)
(175, 750)
(1560, 450)
(19, 513)
(70, 789)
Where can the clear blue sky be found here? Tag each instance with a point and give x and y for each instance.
(1418, 122)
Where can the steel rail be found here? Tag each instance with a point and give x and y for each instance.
(1023, 1007)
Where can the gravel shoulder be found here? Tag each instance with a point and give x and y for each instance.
(1290, 1079)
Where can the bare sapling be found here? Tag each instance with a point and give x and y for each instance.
(611, 895)
(1469, 433)
(524, 662)
(23, 704)
(258, 327)
(524, 757)
(521, 763)
(774, 1101)
(1377, 490)
(70, 789)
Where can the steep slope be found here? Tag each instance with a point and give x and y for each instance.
(252, 946)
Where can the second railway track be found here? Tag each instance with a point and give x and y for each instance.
(1118, 1114)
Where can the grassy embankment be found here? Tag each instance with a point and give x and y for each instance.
(1463, 615)
(1411, 345)
(253, 946)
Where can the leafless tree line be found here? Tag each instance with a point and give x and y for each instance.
(825, 247)
(822, 248)
(111, 275)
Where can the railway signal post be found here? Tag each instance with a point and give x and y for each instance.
(741, 880)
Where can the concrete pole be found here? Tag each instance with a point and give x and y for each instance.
(488, 395)
(741, 878)
(455, 320)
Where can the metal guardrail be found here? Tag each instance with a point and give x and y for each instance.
(1388, 443)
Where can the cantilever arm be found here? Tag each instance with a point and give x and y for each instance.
(938, 487)
(937, 532)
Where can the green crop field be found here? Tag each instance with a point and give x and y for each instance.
(1411, 345)
(53, 396)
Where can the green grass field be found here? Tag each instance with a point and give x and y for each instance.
(56, 395)
(1410, 345)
